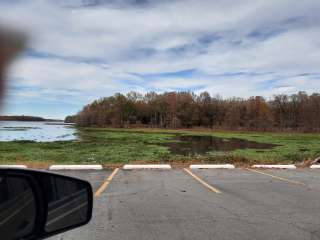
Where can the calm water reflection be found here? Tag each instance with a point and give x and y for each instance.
(197, 145)
(36, 131)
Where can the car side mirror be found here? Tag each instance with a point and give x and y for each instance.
(38, 204)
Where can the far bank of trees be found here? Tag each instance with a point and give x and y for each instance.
(22, 118)
(298, 112)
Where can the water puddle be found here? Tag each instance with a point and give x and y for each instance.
(199, 145)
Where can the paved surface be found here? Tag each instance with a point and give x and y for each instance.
(172, 204)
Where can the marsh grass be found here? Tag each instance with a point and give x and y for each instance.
(115, 146)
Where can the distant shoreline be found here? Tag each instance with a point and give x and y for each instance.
(28, 119)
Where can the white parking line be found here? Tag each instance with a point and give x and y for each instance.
(13, 166)
(146, 166)
(75, 167)
(290, 166)
(315, 166)
(212, 166)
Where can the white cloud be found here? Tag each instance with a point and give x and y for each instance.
(98, 49)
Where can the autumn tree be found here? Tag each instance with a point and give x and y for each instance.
(299, 112)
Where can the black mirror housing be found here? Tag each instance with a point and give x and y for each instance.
(39, 204)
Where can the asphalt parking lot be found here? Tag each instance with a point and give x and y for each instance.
(202, 204)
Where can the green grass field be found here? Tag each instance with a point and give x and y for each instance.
(108, 146)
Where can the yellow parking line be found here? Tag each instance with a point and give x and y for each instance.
(277, 177)
(211, 188)
(106, 183)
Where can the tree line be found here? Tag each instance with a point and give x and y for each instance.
(298, 112)
(22, 118)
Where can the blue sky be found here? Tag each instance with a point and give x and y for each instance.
(81, 50)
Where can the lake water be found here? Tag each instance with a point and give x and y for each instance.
(184, 144)
(36, 131)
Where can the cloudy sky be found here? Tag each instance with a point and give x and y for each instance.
(80, 50)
